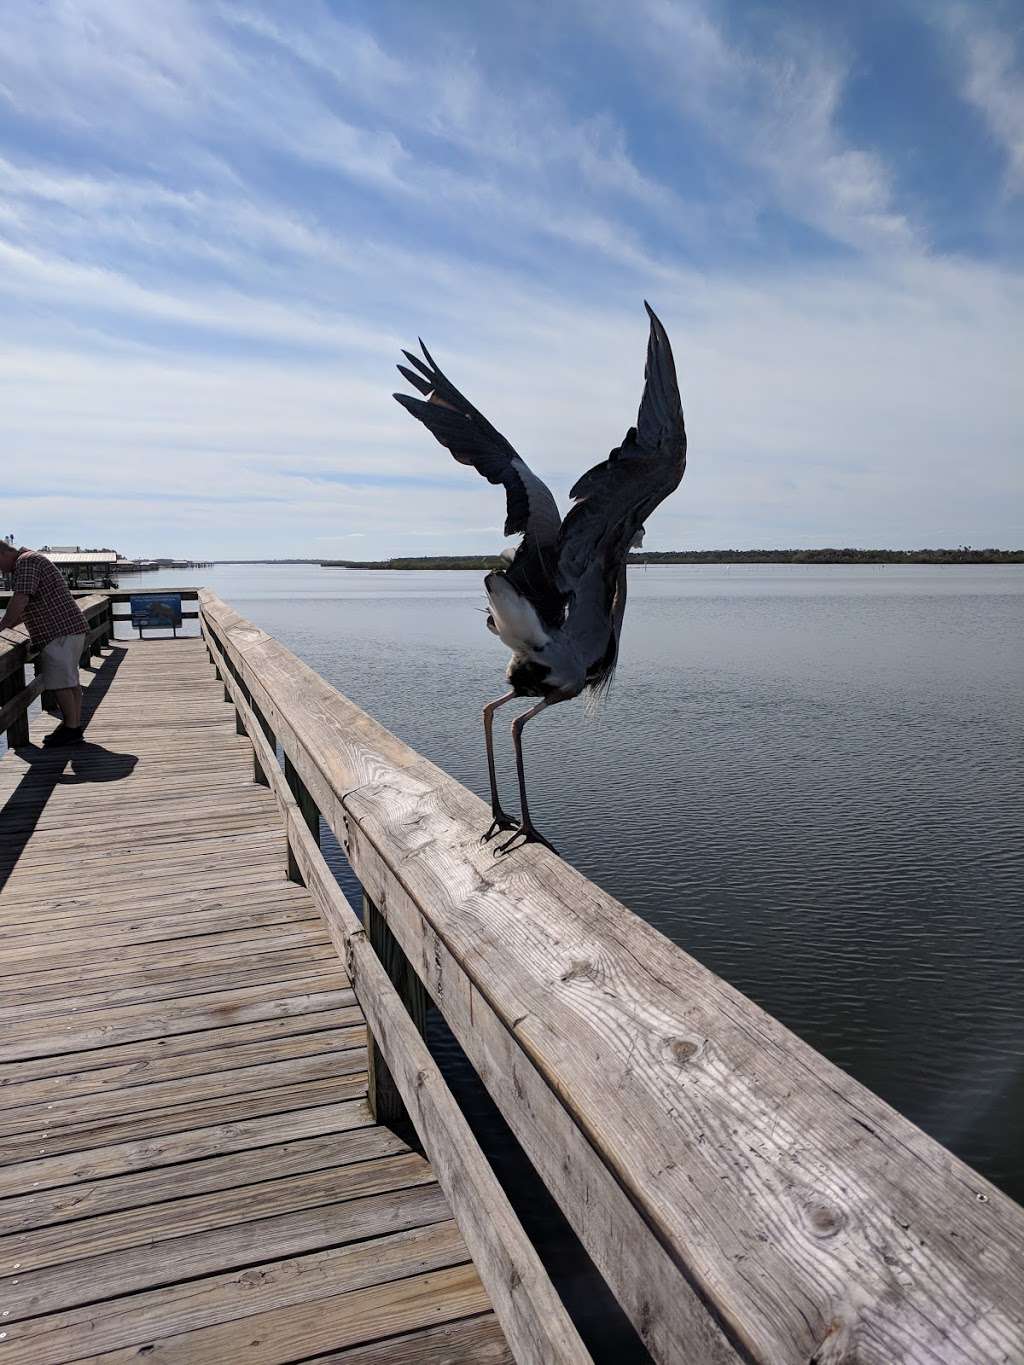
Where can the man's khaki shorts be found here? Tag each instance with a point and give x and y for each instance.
(58, 662)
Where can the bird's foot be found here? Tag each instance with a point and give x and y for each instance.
(525, 834)
(501, 822)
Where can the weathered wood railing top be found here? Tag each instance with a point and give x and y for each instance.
(743, 1197)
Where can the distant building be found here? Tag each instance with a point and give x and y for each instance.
(84, 568)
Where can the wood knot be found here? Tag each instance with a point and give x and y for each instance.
(824, 1219)
(680, 1050)
(578, 969)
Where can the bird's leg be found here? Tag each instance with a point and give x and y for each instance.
(501, 820)
(526, 828)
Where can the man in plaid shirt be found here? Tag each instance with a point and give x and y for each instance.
(56, 628)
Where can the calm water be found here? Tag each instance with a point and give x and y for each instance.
(809, 778)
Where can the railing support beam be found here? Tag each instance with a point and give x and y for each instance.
(386, 1103)
(310, 813)
(10, 687)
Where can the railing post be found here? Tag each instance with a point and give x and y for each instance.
(310, 813)
(257, 771)
(17, 734)
(17, 731)
(385, 1101)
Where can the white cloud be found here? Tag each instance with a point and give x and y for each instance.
(993, 82)
(774, 108)
(885, 401)
(205, 350)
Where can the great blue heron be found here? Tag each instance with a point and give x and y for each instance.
(559, 604)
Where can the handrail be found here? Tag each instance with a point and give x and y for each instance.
(16, 651)
(528, 1308)
(743, 1197)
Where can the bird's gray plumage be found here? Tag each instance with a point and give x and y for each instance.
(531, 511)
(559, 605)
(572, 572)
(611, 504)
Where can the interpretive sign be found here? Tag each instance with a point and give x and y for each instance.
(157, 611)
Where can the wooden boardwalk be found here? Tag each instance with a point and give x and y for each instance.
(189, 1170)
(194, 1051)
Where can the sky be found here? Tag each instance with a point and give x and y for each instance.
(221, 221)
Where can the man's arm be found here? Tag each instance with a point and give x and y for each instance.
(15, 612)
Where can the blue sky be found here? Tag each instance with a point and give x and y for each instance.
(220, 221)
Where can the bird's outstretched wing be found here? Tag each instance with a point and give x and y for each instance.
(530, 508)
(612, 501)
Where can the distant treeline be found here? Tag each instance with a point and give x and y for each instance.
(963, 555)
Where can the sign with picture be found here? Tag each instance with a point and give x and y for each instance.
(157, 611)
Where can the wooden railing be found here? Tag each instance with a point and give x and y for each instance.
(16, 653)
(744, 1199)
(405, 1083)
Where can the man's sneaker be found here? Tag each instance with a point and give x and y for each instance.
(64, 735)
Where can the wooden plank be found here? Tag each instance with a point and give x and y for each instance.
(117, 959)
(168, 941)
(170, 1311)
(49, 1118)
(177, 984)
(263, 848)
(218, 881)
(190, 1144)
(131, 1023)
(156, 1066)
(205, 779)
(125, 594)
(101, 866)
(157, 816)
(230, 1172)
(149, 1055)
(470, 1341)
(344, 1319)
(72, 1137)
(52, 1289)
(163, 820)
(178, 1218)
(220, 747)
(55, 936)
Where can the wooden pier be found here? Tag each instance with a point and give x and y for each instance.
(223, 1139)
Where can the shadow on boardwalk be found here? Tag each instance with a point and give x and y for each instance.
(49, 768)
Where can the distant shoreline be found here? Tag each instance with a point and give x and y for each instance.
(965, 555)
